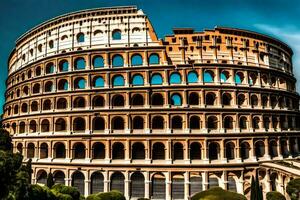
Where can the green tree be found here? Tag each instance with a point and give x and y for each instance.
(256, 190)
(293, 189)
(50, 181)
(275, 196)
(217, 193)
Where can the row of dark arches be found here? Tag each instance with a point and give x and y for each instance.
(158, 150)
(157, 99)
(157, 122)
(138, 184)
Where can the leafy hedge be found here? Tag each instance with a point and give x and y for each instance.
(112, 195)
(65, 192)
(218, 193)
(293, 189)
(275, 196)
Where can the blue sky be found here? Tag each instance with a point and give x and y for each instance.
(278, 18)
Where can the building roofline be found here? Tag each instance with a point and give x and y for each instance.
(71, 14)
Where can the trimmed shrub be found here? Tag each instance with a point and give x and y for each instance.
(293, 189)
(275, 196)
(143, 199)
(112, 195)
(218, 193)
(72, 191)
(37, 192)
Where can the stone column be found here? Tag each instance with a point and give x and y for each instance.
(126, 185)
(186, 185)
(147, 184)
(168, 185)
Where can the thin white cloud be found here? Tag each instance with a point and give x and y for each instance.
(290, 35)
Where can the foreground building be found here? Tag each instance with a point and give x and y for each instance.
(98, 100)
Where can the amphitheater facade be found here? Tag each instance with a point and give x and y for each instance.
(95, 98)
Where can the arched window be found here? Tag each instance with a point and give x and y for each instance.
(241, 99)
(208, 76)
(63, 66)
(193, 98)
(158, 151)
(194, 122)
(59, 150)
(60, 125)
(177, 122)
(50, 68)
(98, 62)
(25, 90)
(41, 177)
(137, 100)
(259, 149)
(34, 106)
(195, 151)
(79, 83)
(61, 103)
(118, 151)
(59, 177)
(158, 122)
(158, 186)
(118, 123)
(118, 80)
(49, 86)
(192, 77)
(30, 150)
(224, 76)
(239, 78)
(32, 126)
(78, 181)
(230, 148)
(97, 183)
(178, 151)
(117, 182)
(255, 123)
(44, 150)
(175, 78)
(252, 79)
(254, 100)
(98, 101)
(137, 185)
(138, 123)
(154, 59)
(245, 149)
(20, 148)
(226, 99)
(284, 148)
(79, 124)
(210, 98)
(231, 184)
(79, 64)
(38, 71)
(228, 122)
(22, 127)
(212, 122)
(273, 149)
(98, 124)
(214, 151)
(45, 126)
(63, 84)
(157, 99)
(79, 102)
(243, 123)
(138, 151)
(24, 108)
(118, 100)
(36, 88)
(47, 105)
(136, 60)
(116, 34)
(98, 150)
(117, 61)
(178, 186)
(16, 109)
(98, 82)
(176, 100)
(79, 150)
(156, 79)
(80, 37)
(137, 80)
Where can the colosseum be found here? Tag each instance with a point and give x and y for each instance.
(95, 98)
